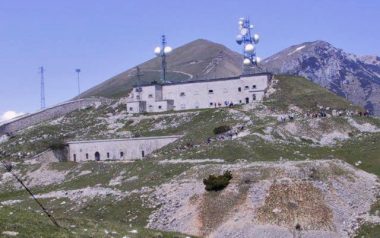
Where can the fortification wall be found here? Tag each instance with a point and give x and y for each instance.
(48, 114)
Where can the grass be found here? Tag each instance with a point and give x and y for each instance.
(305, 94)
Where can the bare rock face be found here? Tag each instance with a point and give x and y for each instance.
(325, 198)
(350, 76)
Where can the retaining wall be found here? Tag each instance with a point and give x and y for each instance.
(48, 114)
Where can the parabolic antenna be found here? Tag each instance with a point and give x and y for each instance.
(249, 48)
(167, 49)
(247, 61)
(239, 39)
(157, 50)
(256, 38)
(244, 31)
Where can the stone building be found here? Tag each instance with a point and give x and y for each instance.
(117, 149)
(198, 94)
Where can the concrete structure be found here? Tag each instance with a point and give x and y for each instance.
(198, 94)
(50, 113)
(117, 149)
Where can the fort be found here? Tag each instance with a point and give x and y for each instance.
(117, 149)
(221, 92)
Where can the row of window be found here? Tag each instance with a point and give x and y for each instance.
(97, 155)
(210, 91)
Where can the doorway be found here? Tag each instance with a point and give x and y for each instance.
(97, 156)
(246, 100)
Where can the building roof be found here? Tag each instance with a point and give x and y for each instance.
(200, 80)
(124, 139)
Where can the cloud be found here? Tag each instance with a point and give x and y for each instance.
(8, 115)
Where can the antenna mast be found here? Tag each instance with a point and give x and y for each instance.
(78, 71)
(162, 52)
(42, 87)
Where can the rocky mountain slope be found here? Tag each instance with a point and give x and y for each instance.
(278, 167)
(350, 76)
(199, 59)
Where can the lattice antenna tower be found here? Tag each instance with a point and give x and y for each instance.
(42, 71)
(162, 52)
(249, 42)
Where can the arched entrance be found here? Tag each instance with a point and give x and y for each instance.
(97, 156)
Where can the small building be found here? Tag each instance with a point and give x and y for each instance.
(117, 149)
(220, 92)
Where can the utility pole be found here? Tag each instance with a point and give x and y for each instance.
(42, 87)
(78, 71)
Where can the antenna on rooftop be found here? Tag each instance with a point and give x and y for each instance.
(78, 71)
(162, 52)
(42, 87)
(249, 43)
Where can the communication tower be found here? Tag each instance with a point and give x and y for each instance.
(162, 52)
(249, 42)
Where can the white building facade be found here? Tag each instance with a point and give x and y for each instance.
(198, 94)
(117, 149)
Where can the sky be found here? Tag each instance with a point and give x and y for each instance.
(104, 38)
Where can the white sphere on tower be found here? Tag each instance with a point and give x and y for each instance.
(167, 49)
(249, 48)
(258, 60)
(157, 50)
(256, 38)
(247, 61)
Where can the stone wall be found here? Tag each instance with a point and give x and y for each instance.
(48, 114)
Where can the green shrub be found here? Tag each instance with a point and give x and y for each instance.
(57, 144)
(221, 129)
(217, 182)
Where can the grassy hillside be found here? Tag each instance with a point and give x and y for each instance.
(91, 199)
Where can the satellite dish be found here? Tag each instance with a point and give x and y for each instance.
(239, 39)
(157, 50)
(256, 38)
(258, 60)
(167, 49)
(251, 26)
(249, 48)
(247, 61)
(244, 31)
(240, 22)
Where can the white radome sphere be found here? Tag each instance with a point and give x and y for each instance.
(240, 22)
(256, 38)
(239, 39)
(258, 60)
(167, 49)
(157, 50)
(247, 61)
(249, 48)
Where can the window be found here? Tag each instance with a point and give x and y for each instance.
(210, 91)
(150, 106)
(150, 95)
(75, 157)
(211, 104)
(86, 156)
(121, 154)
(142, 154)
(182, 94)
(239, 89)
(108, 155)
(254, 86)
(159, 107)
(131, 109)
(254, 97)
(138, 97)
(239, 101)
(246, 87)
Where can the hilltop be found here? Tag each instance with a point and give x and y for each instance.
(199, 59)
(304, 159)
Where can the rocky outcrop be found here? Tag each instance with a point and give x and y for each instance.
(323, 198)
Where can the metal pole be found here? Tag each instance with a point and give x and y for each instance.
(78, 71)
(42, 88)
(163, 62)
